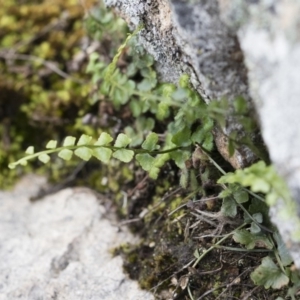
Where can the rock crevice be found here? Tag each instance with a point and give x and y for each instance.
(235, 48)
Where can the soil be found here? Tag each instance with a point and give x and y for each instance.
(165, 260)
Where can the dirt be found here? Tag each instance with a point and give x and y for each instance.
(172, 231)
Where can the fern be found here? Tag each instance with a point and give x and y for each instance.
(113, 65)
(261, 178)
(149, 157)
(161, 100)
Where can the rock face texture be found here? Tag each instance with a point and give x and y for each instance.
(190, 38)
(59, 248)
(269, 35)
(231, 48)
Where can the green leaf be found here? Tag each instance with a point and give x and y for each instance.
(122, 141)
(131, 70)
(143, 124)
(180, 157)
(227, 178)
(208, 123)
(23, 162)
(66, 154)
(208, 142)
(145, 160)
(225, 193)
(229, 207)
(256, 176)
(240, 105)
(148, 73)
(29, 150)
(146, 85)
(136, 107)
(254, 228)
(180, 94)
(119, 96)
(84, 140)
(249, 125)
(44, 158)
(153, 173)
(251, 240)
(92, 60)
(260, 185)
(51, 144)
(104, 139)
(150, 142)
(284, 254)
(161, 159)
(195, 101)
(182, 138)
(258, 217)
(163, 111)
(69, 141)
(199, 135)
(103, 154)
(184, 81)
(129, 86)
(136, 137)
(124, 155)
(12, 165)
(269, 275)
(105, 87)
(271, 198)
(168, 89)
(256, 208)
(84, 153)
(241, 196)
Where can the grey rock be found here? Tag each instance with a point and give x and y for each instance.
(189, 37)
(268, 32)
(59, 247)
(213, 50)
(216, 57)
(157, 36)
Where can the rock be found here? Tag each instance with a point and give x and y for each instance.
(268, 32)
(190, 38)
(59, 247)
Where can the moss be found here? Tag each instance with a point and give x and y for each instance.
(37, 104)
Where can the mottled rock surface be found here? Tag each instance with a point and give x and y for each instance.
(59, 247)
(269, 34)
(190, 38)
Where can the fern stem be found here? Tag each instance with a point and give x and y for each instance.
(74, 147)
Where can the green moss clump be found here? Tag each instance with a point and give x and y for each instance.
(44, 88)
